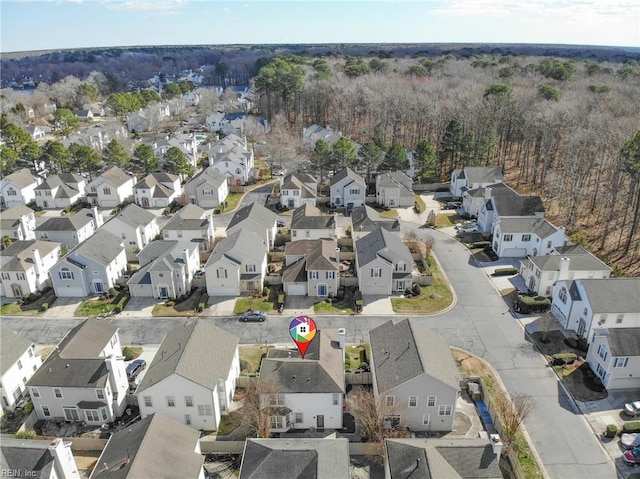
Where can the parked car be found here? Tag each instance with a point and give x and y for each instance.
(135, 368)
(632, 408)
(280, 224)
(253, 316)
(467, 227)
(630, 440)
(632, 457)
(451, 206)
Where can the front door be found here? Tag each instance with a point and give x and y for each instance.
(322, 290)
(163, 292)
(98, 287)
(291, 204)
(320, 421)
(145, 202)
(71, 413)
(17, 290)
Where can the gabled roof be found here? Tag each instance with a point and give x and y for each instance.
(497, 189)
(295, 459)
(318, 255)
(156, 446)
(21, 178)
(483, 174)
(365, 218)
(255, 213)
(21, 253)
(189, 217)
(538, 226)
(115, 176)
(309, 217)
(160, 255)
(102, 248)
(134, 215)
(380, 243)
(209, 176)
(300, 176)
(68, 223)
(624, 342)
(321, 370)
(12, 346)
(344, 173)
(16, 212)
(65, 182)
(612, 295)
(577, 262)
(292, 182)
(27, 455)
(199, 352)
(239, 247)
(518, 206)
(406, 350)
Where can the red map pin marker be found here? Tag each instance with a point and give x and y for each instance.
(302, 329)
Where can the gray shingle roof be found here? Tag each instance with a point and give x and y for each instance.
(624, 341)
(199, 352)
(537, 226)
(380, 242)
(209, 176)
(497, 189)
(21, 253)
(191, 212)
(578, 262)
(21, 178)
(518, 206)
(115, 176)
(68, 223)
(156, 446)
(256, 213)
(309, 217)
(240, 247)
(319, 254)
(612, 295)
(102, 247)
(190, 217)
(12, 347)
(16, 212)
(343, 173)
(406, 350)
(26, 455)
(134, 215)
(293, 182)
(483, 174)
(365, 218)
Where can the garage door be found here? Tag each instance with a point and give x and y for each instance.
(296, 289)
(625, 383)
(382, 289)
(70, 292)
(514, 253)
(223, 291)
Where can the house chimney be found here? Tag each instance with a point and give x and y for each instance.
(496, 445)
(64, 463)
(97, 218)
(342, 335)
(37, 261)
(338, 256)
(563, 271)
(185, 259)
(487, 193)
(27, 233)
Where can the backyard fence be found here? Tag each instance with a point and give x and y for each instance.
(358, 378)
(210, 445)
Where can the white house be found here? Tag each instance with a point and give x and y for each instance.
(587, 305)
(474, 198)
(18, 222)
(414, 376)
(37, 132)
(308, 222)
(305, 393)
(72, 229)
(92, 267)
(507, 206)
(136, 226)
(520, 237)
(111, 188)
(25, 267)
(231, 157)
(60, 191)
(238, 264)
(18, 188)
(18, 362)
(365, 219)
(186, 143)
(614, 355)
(472, 177)
(207, 189)
(149, 118)
(297, 189)
(312, 267)
(84, 377)
(192, 377)
(313, 133)
(98, 136)
(190, 223)
(166, 270)
(157, 190)
(395, 190)
(256, 219)
(347, 189)
(44, 459)
(383, 263)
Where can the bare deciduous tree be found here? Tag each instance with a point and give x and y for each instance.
(512, 411)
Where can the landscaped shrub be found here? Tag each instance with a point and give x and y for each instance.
(28, 434)
(571, 342)
(170, 304)
(633, 426)
(128, 352)
(201, 307)
(27, 408)
(582, 345)
(526, 303)
(416, 289)
(561, 359)
(44, 306)
(508, 271)
(611, 431)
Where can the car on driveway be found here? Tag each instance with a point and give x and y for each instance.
(135, 368)
(632, 408)
(451, 206)
(632, 457)
(253, 316)
(467, 227)
(629, 440)
(280, 224)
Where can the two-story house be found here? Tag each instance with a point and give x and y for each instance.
(148, 118)
(256, 219)
(297, 189)
(474, 198)
(237, 265)
(308, 222)
(186, 143)
(60, 191)
(313, 133)
(18, 222)
(312, 267)
(614, 355)
(365, 219)
(18, 362)
(383, 263)
(18, 188)
(506, 206)
(84, 378)
(92, 267)
(231, 157)
(190, 223)
(70, 230)
(472, 177)
(44, 459)
(192, 377)
(111, 188)
(166, 270)
(157, 190)
(394, 189)
(25, 267)
(415, 377)
(347, 189)
(520, 237)
(586, 305)
(136, 226)
(305, 393)
(208, 189)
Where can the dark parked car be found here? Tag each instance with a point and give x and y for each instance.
(280, 224)
(135, 368)
(451, 206)
(632, 457)
(632, 408)
(253, 316)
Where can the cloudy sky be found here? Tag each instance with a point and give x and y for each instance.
(52, 24)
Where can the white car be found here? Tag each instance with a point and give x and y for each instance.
(467, 227)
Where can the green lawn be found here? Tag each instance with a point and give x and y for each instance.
(15, 309)
(228, 423)
(434, 298)
(251, 357)
(94, 307)
(245, 304)
(344, 306)
(354, 356)
(420, 204)
(447, 219)
(232, 201)
(389, 213)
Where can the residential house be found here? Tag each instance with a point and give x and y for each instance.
(473, 199)
(18, 362)
(149, 118)
(84, 115)
(256, 219)
(347, 189)
(92, 267)
(96, 108)
(305, 393)
(157, 447)
(186, 143)
(365, 219)
(326, 458)
(394, 189)
(586, 305)
(472, 177)
(237, 265)
(25, 267)
(383, 263)
(314, 133)
(231, 157)
(208, 189)
(540, 273)
(18, 188)
(37, 132)
(157, 190)
(60, 191)
(190, 223)
(308, 222)
(112, 188)
(166, 270)
(192, 377)
(460, 458)
(18, 222)
(312, 267)
(614, 355)
(98, 136)
(136, 226)
(297, 189)
(84, 378)
(44, 459)
(520, 237)
(414, 376)
(507, 206)
(72, 229)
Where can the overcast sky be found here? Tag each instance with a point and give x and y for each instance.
(54, 24)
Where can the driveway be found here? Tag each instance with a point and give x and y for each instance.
(63, 307)
(375, 305)
(139, 307)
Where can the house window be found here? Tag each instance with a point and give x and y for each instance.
(394, 421)
(148, 402)
(445, 410)
(277, 422)
(413, 401)
(277, 399)
(205, 410)
(331, 275)
(602, 352)
(619, 318)
(620, 362)
(179, 233)
(100, 393)
(47, 193)
(294, 233)
(165, 234)
(221, 273)
(563, 295)
(46, 412)
(35, 392)
(390, 401)
(426, 419)
(313, 275)
(187, 419)
(92, 416)
(354, 192)
(298, 418)
(251, 268)
(19, 364)
(11, 192)
(38, 193)
(171, 402)
(65, 274)
(336, 399)
(207, 192)
(401, 266)
(188, 401)
(95, 272)
(549, 244)
(103, 413)
(57, 392)
(93, 189)
(507, 238)
(601, 371)
(431, 401)
(6, 276)
(296, 192)
(526, 238)
(376, 272)
(107, 191)
(20, 276)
